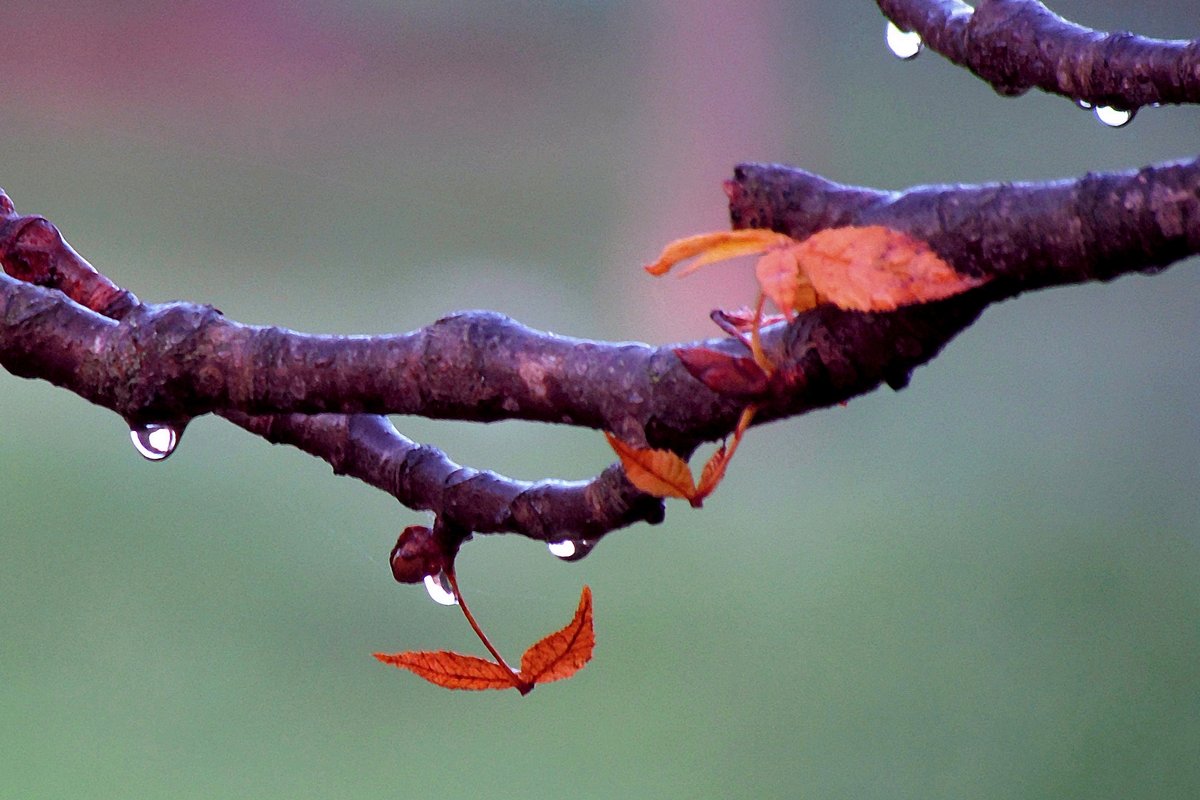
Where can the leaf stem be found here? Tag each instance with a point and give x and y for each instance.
(743, 423)
(521, 685)
(756, 349)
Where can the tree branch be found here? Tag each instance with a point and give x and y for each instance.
(368, 447)
(1021, 235)
(62, 321)
(1017, 45)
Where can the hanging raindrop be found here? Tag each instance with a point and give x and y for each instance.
(154, 441)
(440, 590)
(1084, 104)
(904, 45)
(571, 549)
(1114, 117)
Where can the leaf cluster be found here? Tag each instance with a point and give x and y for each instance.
(856, 268)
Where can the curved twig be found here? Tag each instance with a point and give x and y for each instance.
(1017, 45)
(368, 447)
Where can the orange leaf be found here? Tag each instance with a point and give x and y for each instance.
(562, 653)
(780, 279)
(712, 474)
(657, 472)
(451, 670)
(714, 469)
(874, 268)
(710, 247)
(733, 375)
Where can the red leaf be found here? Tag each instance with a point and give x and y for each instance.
(563, 653)
(732, 375)
(557, 656)
(451, 670)
(712, 474)
(714, 469)
(657, 472)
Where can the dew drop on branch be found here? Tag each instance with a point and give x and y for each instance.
(1114, 117)
(571, 549)
(440, 590)
(904, 45)
(154, 441)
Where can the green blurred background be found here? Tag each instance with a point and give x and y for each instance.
(985, 586)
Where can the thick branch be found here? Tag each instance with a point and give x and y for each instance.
(180, 360)
(173, 362)
(1017, 45)
(1023, 235)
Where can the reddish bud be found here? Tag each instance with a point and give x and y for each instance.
(741, 320)
(737, 376)
(417, 553)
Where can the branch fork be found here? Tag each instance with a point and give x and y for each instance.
(63, 321)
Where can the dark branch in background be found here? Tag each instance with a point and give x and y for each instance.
(1018, 45)
(62, 321)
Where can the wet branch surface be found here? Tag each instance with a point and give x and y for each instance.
(62, 321)
(1018, 45)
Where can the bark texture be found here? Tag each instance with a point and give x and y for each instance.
(63, 321)
(1018, 45)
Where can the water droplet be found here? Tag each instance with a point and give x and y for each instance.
(154, 440)
(904, 45)
(1114, 117)
(1084, 104)
(571, 549)
(440, 590)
